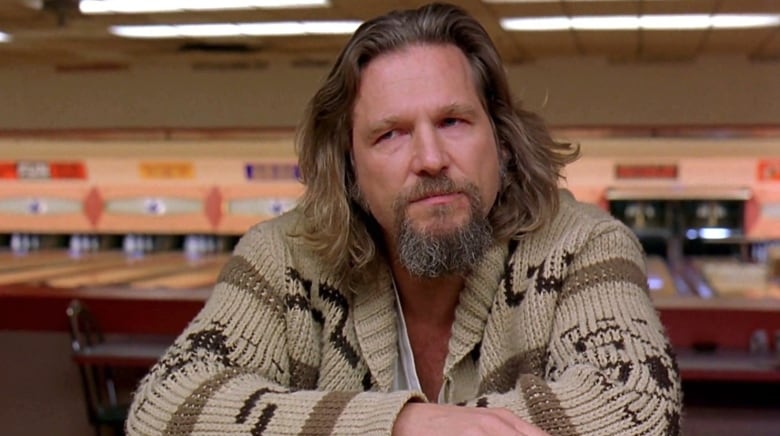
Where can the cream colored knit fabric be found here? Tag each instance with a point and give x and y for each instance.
(558, 327)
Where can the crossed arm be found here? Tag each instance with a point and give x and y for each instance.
(233, 371)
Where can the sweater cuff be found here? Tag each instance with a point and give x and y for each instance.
(374, 413)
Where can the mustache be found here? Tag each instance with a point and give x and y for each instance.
(429, 187)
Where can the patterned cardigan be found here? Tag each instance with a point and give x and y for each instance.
(557, 327)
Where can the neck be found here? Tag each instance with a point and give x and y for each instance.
(430, 300)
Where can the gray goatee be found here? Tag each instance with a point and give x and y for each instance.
(430, 253)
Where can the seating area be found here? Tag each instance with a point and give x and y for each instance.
(100, 357)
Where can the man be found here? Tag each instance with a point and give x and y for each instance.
(431, 281)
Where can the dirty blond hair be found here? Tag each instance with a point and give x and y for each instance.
(334, 225)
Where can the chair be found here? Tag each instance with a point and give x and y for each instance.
(97, 358)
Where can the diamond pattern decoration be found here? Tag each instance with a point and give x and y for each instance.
(214, 206)
(93, 206)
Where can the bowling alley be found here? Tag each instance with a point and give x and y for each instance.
(142, 141)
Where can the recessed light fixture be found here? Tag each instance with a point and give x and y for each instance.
(645, 22)
(156, 6)
(221, 30)
(4, 37)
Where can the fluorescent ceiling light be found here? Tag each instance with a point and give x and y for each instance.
(216, 30)
(301, 28)
(733, 21)
(4, 37)
(558, 1)
(646, 22)
(152, 6)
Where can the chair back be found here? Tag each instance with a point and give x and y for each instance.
(84, 330)
(97, 380)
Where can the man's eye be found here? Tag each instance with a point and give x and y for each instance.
(447, 122)
(385, 136)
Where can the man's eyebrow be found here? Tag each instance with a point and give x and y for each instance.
(459, 109)
(380, 126)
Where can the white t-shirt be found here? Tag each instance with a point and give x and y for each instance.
(405, 375)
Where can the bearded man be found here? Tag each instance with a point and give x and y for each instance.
(433, 278)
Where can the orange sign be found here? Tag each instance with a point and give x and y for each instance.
(166, 170)
(646, 171)
(67, 170)
(769, 170)
(7, 170)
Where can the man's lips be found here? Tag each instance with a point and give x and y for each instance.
(437, 198)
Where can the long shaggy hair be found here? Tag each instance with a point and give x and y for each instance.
(335, 226)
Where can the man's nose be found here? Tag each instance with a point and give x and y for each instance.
(430, 152)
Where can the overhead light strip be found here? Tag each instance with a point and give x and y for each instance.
(221, 30)
(565, 1)
(159, 6)
(644, 22)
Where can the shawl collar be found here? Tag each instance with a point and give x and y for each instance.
(376, 317)
(474, 305)
(375, 325)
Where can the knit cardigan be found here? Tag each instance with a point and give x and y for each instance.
(556, 326)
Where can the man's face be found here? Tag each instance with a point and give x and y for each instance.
(424, 152)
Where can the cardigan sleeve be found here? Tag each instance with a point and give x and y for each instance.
(231, 370)
(609, 367)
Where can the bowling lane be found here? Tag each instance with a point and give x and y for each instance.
(38, 271)
(659, 278)
(192, 277)
(10, 260)
(730, 278)
(132, 268)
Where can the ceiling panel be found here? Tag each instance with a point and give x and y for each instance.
(680, 6)
(511, 51)
(747, 41)
(546, 44)
(731, 6)
(613, 44)
(770, 48)
(541, 9)
(601, 8)
(46, 37)
(659, 45)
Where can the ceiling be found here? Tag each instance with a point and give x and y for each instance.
(68, 40)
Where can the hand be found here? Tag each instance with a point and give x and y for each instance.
(440, 419)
